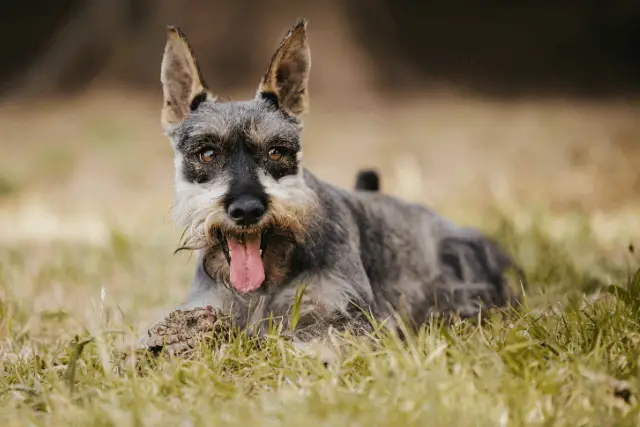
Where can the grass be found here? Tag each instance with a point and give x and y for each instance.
(86, 263)
(7, 186)
(569, 358)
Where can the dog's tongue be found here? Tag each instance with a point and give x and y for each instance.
(247, 270)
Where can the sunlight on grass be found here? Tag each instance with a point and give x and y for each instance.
(568, 357)
(86, 264)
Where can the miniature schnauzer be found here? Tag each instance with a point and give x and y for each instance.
(264, 226)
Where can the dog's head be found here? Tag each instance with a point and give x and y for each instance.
(239, 182)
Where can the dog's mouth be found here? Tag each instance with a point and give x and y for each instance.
(245, 253)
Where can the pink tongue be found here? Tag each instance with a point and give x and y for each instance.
(247, 270)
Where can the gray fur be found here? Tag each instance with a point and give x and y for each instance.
(355, 251)
(222, 118)
(373, 252)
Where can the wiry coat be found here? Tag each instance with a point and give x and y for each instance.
(353, 251)
(368, 251)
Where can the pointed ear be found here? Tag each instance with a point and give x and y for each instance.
(285, 82)
(182, 83)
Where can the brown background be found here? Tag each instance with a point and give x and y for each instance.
(463, 105)
(506, 48)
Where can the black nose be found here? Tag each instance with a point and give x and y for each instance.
(246, 210)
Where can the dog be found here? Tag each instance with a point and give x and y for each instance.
(271, 236)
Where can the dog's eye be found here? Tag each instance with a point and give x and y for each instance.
(275, 154)
(207, 156)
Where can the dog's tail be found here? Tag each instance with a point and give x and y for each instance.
(368, 180)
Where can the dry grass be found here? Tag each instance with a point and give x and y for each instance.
(86, 250)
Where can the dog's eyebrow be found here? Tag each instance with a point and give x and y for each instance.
(269, 127)
(196, 141)
(292, 143)
(268, 137)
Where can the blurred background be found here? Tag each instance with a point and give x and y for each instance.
(467, 106)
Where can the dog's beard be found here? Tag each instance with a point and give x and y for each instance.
(252, 254)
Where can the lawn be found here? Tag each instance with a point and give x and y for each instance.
(79, 283)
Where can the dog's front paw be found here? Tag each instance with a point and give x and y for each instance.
(184, 330)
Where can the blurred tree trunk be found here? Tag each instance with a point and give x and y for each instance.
(23, 33)
(80, 49)
(589, 47)
(502, 48)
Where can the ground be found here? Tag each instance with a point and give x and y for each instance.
(86, 262)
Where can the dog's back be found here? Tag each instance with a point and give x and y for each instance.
(415, 260)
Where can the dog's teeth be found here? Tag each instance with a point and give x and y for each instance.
(260, 251)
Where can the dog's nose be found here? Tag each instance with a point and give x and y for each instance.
(246, 210)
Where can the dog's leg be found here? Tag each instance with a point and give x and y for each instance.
(475, 268)
(320, 337)
(317, 333)
(203, 293)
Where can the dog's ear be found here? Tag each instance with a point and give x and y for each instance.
(286, 81)
(182, 83)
